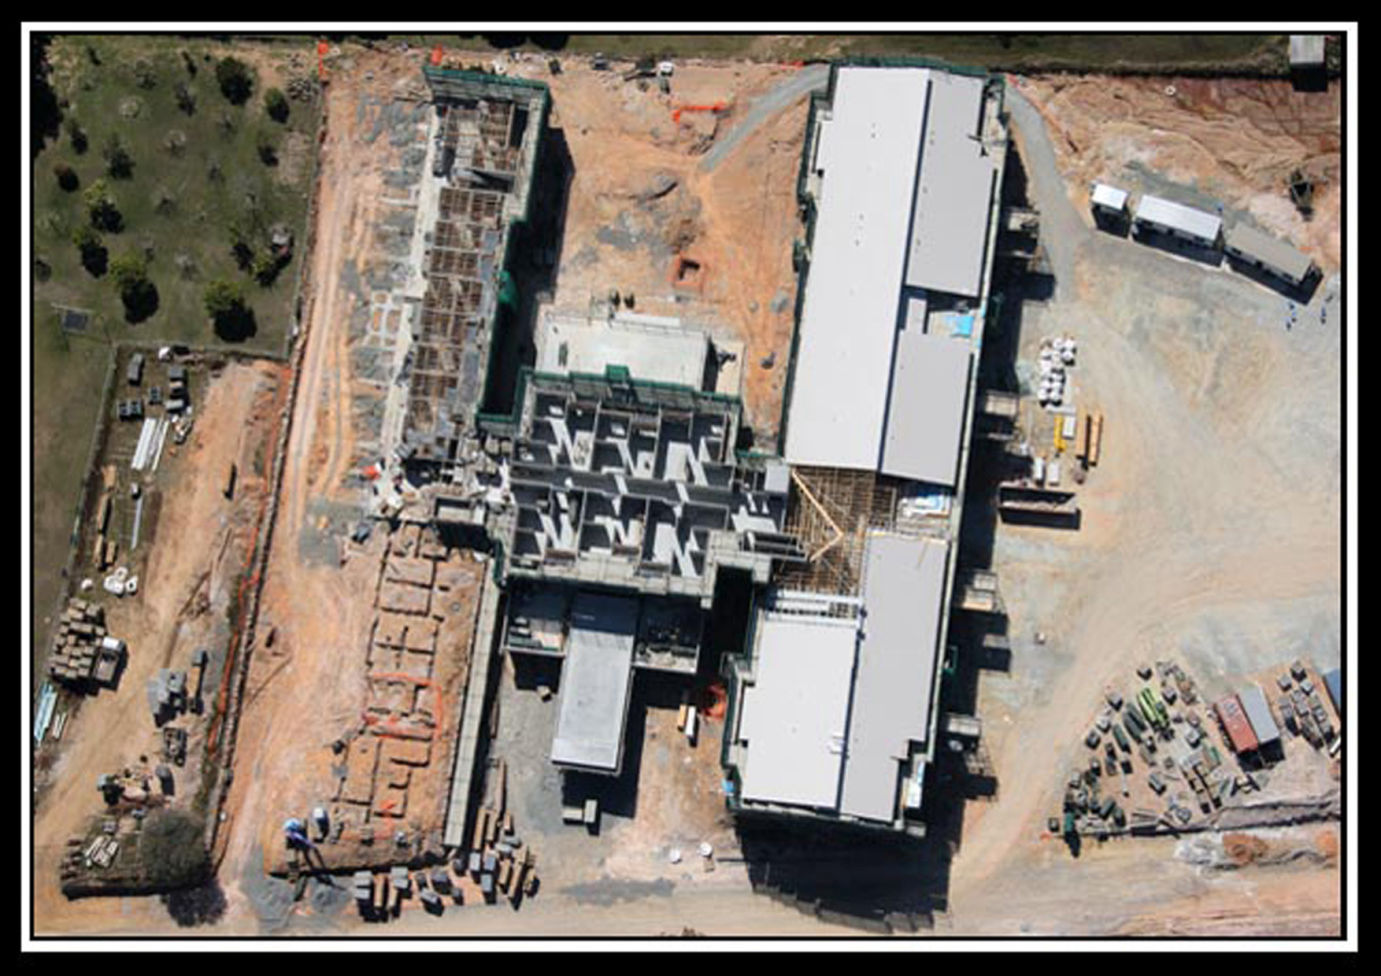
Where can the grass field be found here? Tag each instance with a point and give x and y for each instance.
(98, 93)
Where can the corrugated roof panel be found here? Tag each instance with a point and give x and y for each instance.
(903, 589)
(954, 191)
(868, 151)
(926, 408)
(796, 709)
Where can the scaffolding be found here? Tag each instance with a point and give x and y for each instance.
(830, 511)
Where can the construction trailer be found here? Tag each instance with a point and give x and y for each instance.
(1180, 222)
(1249, 246)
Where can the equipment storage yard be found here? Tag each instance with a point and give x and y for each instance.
(1204, 537)
(194, 546)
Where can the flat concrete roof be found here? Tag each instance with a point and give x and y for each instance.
(657, 349)
(1274, 253)
(595, 682)
(796, 711)
(954, 191)
(868, 150)
(926, 408)
(903, 590)
(1187, 220)
(1108, 196)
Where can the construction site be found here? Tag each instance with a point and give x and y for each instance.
(579, 562)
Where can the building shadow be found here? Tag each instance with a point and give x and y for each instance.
(1309, 79)
(1302, 294)
(1201, 253)
(1116, 224)
(534, 260)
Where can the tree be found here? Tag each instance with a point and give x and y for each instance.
(118, 161)
(276, 105)
(268, 152)
(144, 75)
(175, 142)
(102, 209)
(266, 267)
(130, 272)
(77, 135)
(189, 63)
(67, 176)
(225, 303)
(235, 81)
(172, 850)
(186, 100)
(93, 252)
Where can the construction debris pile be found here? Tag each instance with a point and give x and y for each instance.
(84, 655)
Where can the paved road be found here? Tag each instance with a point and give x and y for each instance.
(805, 80)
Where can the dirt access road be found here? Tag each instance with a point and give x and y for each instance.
(198, 551)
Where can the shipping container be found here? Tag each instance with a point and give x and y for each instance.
(1258, 713)
(1235, 725)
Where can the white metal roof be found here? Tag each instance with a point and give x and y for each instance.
(795, 711)
(868, 149)
(954, 191)
(1108, 196)
(903, 589)
(1258, 714)
(1167, 213)
(1270, 251)
(926, 408)
(595, 682)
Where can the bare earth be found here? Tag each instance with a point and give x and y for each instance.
(198, 552)
(1234, 138)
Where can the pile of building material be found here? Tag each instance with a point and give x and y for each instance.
(1057, 353)
(495, 860)
(83, 653)
(120, 582)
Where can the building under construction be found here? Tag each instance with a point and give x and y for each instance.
(618, 489)
(834, 702)
(488, 138)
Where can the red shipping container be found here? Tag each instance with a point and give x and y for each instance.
(1235, 724)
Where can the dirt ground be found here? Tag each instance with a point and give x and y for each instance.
(197, 551)
(1234, 139)
(640, 196)
(1205, 537)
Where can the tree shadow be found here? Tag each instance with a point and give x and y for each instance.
(237, 326)
(203, 905)
(140, 302)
